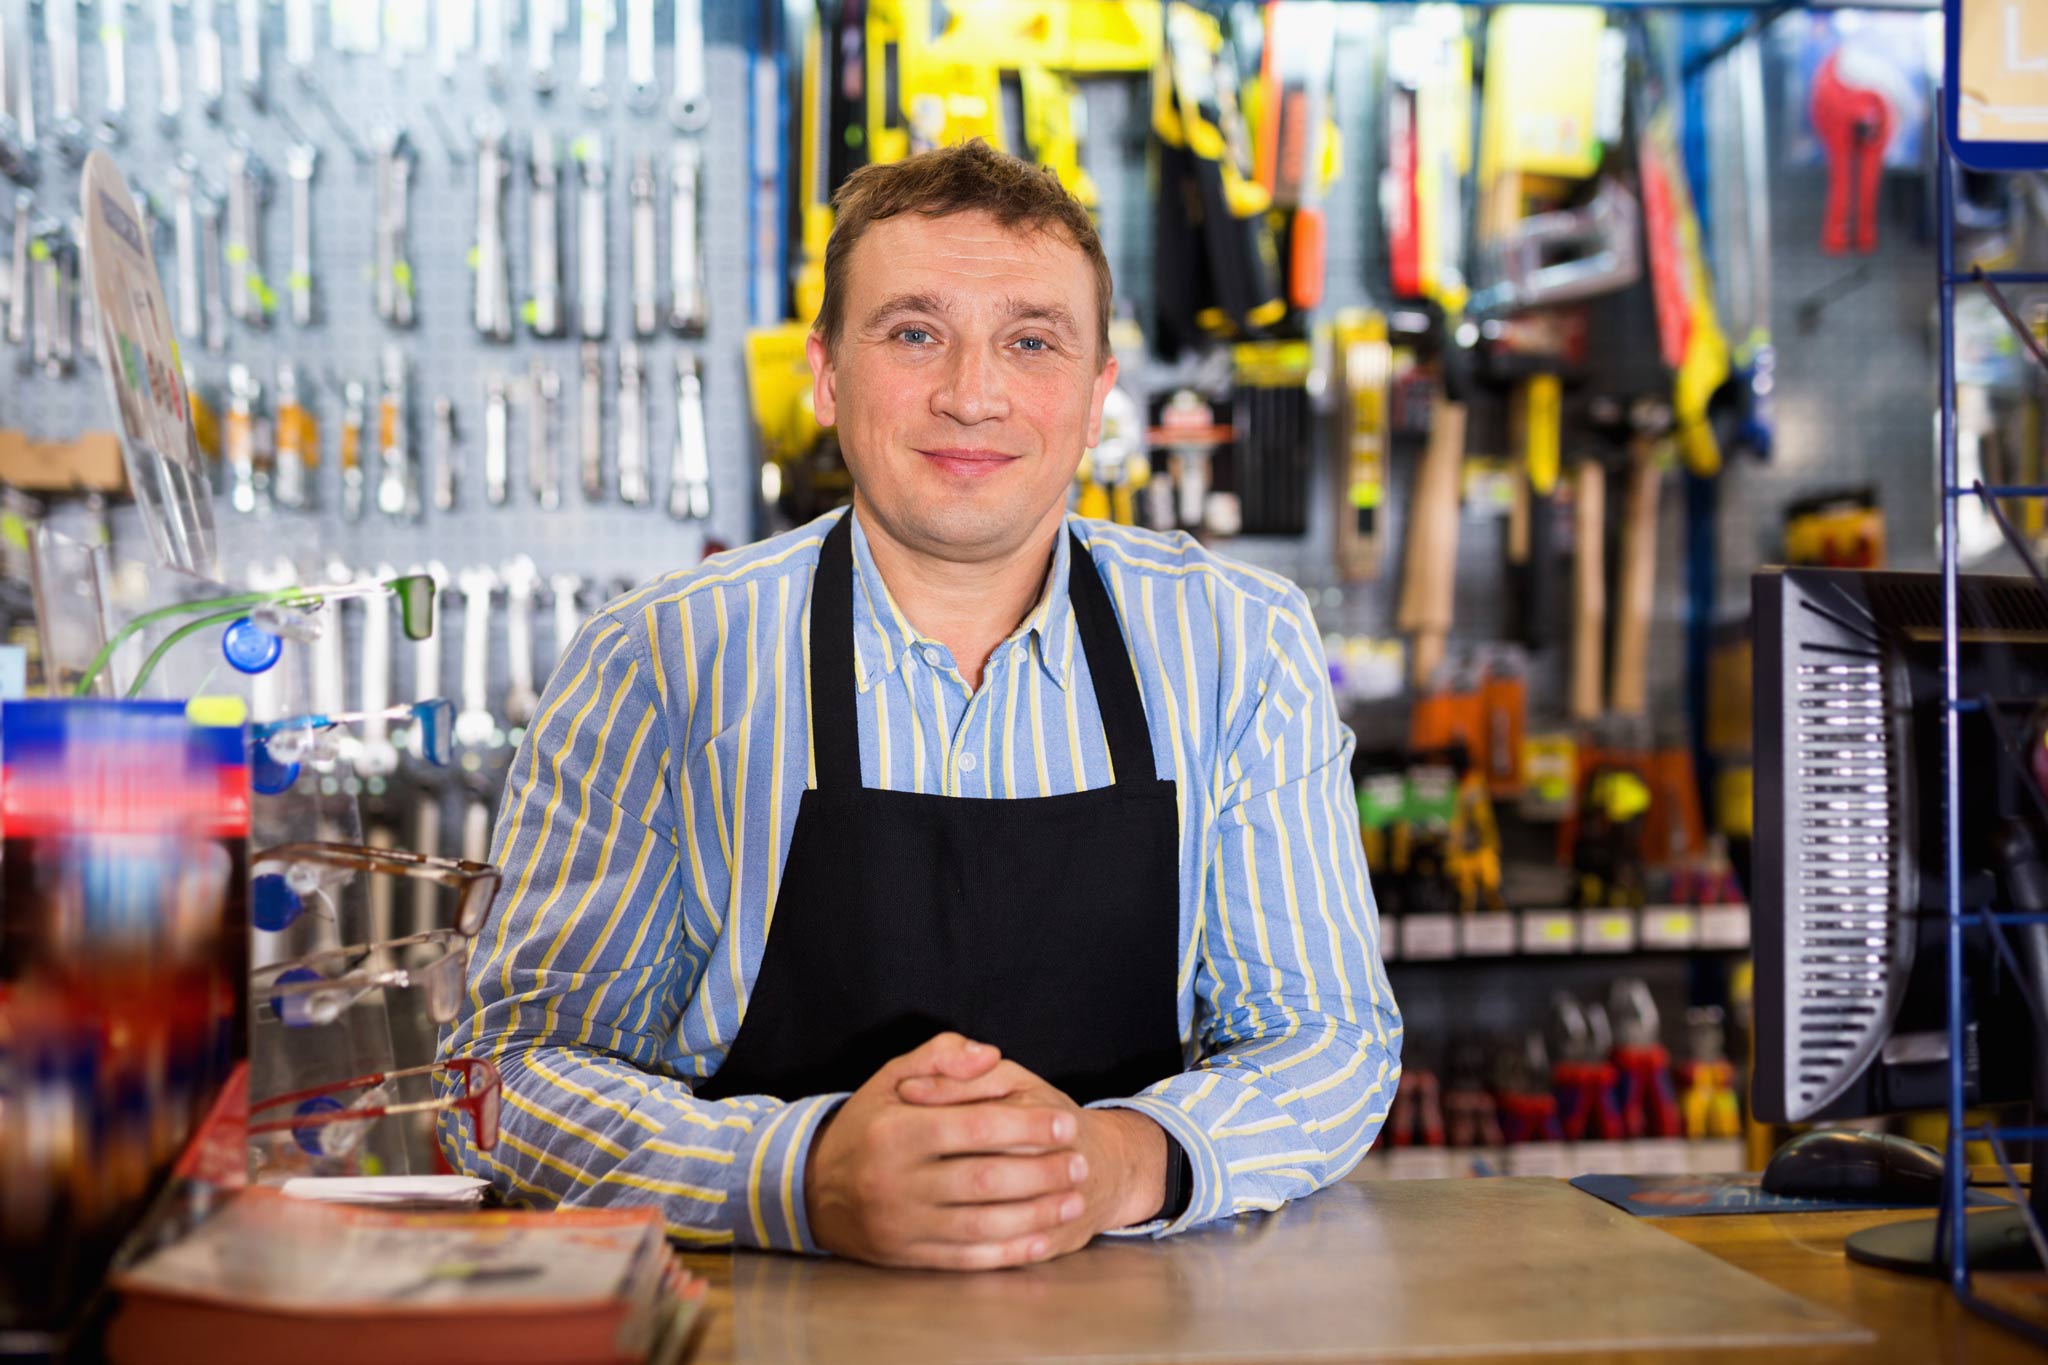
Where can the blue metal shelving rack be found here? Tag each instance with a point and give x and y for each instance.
(1957, 1172)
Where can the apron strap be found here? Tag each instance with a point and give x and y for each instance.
(835, 725)
(1109, 662)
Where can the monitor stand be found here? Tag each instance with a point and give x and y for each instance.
(1993, 1239)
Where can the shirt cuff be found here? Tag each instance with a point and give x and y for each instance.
(1209, 1191)
(772, 1162)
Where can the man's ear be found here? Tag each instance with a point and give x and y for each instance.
(1105, 380)
(825, 381)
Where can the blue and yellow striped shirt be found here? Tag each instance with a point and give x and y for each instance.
(651, 804)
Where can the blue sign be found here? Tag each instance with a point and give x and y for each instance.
(1995, 83)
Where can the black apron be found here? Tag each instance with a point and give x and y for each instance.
(1048, 926)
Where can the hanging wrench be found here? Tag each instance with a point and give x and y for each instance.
(454, 34)
(354, 411)
(113, 36)
(215, 291)
(17, 152)
(299, 39)
(426, 656)
(444, 455)
(249, 50)
(60, 35)
(185, 241)
(544, 236)
(56, 314)
(689, 489)
(238, 445)
(632, 426)
(301, 159)
(493, 311)
(209, 69)
(544, 393)
(590, 429)
(543, 21)
(521, 580)
(397, 486)
(298, 441)
(21, 74)
(170, 77)
(685, 261)
(646, 293)
(249, 296)
(378, 756)
(394, 191)
(475, 727)
(497, 440)
(19, 309)
(568, 615)
(687, 107)
(490, 43)
(596, 26)
(43, 301)
(642, 94)
(591, 301)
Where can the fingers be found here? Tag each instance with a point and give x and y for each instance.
(998, 1082)
(1000, 1179)
(987, 1128)
(996, 1224)
(944, 1054)
(983, 1256)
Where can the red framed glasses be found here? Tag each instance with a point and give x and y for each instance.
(316, 1111)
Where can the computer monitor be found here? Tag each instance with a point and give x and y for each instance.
(1848, 885)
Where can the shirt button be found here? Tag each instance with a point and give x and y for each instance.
(967, 763)
(933, 657)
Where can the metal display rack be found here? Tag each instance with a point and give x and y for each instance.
(1956, 1166)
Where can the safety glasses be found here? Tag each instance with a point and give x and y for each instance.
(279, 747)
(257, 622)
(323, 1126)
(302, 872)
(319, 987)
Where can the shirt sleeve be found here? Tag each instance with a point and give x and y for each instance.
(580, 971)
(1298, 1029)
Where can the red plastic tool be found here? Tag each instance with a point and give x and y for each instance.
(1854, 124)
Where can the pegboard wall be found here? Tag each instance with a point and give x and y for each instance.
(602, 541)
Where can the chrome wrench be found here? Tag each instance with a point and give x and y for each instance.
(689, 490)
(17, 160)
(497, 441)
(426, 656)
(632, 427)
(113, 36)
(238, 443)
(21, 77)
(60, 35)
(378, 756)
(208, 61)
(591, 301)
(444, 455)
(493, 302)
(594, 28)
(646, 292)
(354, 412)
(394, 210)
(544, 235)
(454, 34)
(685, 261)
(687, 107)
(475, 727)
(397, 486)
(543, 21)
(544, 393)
(170, 76)
(490, 42)
(248, 292)
(19, 304)
(301, 160)
(521, 581)
(568, 613)
(590, 428)
(185, 241)
(299, 39)
(249, 50)
(642, 94)
(212, 287)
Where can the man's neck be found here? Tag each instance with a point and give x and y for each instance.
(969, 606)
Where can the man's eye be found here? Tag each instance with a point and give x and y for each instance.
(1033, 344)
(916, 336)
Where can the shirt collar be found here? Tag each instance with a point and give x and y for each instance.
(883, 636)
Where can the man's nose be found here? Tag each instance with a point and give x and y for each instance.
(972, 389)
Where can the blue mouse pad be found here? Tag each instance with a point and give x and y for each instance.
(1682, 1196)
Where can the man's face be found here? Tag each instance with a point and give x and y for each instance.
(965, 382)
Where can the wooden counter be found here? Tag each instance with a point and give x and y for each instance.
(1476, 1269)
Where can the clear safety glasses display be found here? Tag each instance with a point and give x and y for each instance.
(289, 877)
(318, 987)
(257, 623)
(279, 747)
(323, 1126)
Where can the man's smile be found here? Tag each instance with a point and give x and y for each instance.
(967, 461)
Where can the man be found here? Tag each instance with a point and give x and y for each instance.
(868, 889)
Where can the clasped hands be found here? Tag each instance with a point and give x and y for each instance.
(951, 1158)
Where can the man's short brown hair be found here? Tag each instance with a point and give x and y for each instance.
(969, 177)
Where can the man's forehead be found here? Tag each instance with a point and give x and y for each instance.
(963, 248)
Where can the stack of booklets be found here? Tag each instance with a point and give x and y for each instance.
(270, 1278)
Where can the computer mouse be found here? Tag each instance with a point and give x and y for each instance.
(1858, 1167)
